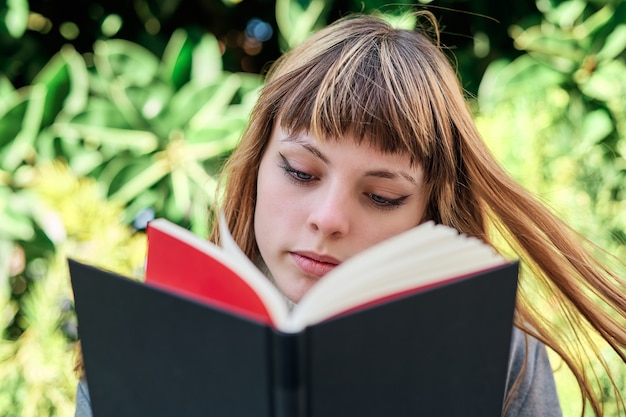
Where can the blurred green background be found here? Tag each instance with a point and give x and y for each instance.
(114, 112)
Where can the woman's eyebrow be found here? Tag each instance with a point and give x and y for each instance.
(306, 145)
(381, 173)
(377, 173)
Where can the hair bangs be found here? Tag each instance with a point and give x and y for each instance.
(355, 90)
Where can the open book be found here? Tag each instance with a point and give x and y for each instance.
(420, 258)
(418, 324)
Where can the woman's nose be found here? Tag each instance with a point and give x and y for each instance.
(331, 213)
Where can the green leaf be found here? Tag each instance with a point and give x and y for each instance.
(16, 221)
(615, 44)
(16, 18)
(199, 218)
(212, 110)
(199, 176)
(102, 112)
(227, 130)
(607, 83)
(115, 112)
(207, 60)
(116, 139)
(66, 82)
(295, 22)
(130, 63)
(621, 148)
(142, 177)
(524, 76)
(12, 114)
(109, 174)
(148, 103)
(16, 227)
(177, 57)
(22, 145)
(211, 148)
(147, 199)
(597, 125)
(189, 100)
(6, 90)
(567, 13)
(181, 192)
(596, 22)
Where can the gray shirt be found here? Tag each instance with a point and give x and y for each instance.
(535, 397)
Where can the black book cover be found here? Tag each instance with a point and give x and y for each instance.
(440, 352)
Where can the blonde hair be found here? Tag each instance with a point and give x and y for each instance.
(397, 90)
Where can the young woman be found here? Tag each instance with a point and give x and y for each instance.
(363, 132)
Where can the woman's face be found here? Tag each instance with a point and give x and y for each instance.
(319, 203)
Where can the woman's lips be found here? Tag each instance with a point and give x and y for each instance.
(313, 264)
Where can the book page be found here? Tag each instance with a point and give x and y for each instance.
(186, 264)
(263, 286)
(420, 258)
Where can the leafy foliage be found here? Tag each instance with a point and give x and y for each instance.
(566, 132)
(94, 140)
(556, 119)
(107, 135)
(36, 364)
(154, 131)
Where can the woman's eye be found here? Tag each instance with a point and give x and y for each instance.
(295, 174)
(302, 176)
(384, 202)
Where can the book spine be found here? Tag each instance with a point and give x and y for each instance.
(289, 360)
